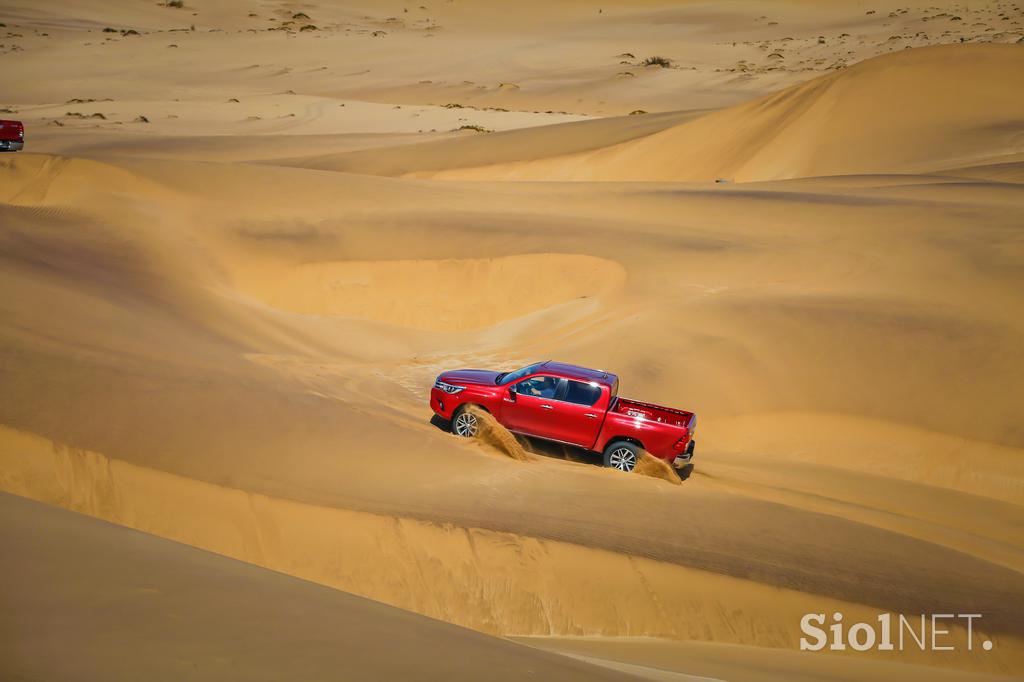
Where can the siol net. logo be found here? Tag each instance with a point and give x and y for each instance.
(891, 633)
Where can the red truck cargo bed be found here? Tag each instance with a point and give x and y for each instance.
(654, 413)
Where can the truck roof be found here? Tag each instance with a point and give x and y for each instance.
(581, 373)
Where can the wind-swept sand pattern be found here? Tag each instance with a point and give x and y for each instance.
(219, 325)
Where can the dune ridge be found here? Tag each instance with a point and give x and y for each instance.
(458, 574)
(145, 607)
(912, 111)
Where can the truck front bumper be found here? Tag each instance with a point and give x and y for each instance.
(686, 457)
(443, 404)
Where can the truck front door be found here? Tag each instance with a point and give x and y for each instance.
(530, 408)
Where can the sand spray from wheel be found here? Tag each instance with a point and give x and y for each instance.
(490, 432)
(493, 434)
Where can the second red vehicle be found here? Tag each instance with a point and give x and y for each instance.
(567, 404)
(12, 136)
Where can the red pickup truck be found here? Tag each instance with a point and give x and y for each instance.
(567, 404)
(12, 136)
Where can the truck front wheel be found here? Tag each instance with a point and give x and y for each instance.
(622, 455)
(464, 423)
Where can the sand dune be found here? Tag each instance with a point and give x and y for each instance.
(660, 660)
(124, 606)
(220, 326)
(393, 291)
(298, 406)
(911, 111)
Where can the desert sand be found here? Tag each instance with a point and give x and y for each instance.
(237, 251)
(174, 612)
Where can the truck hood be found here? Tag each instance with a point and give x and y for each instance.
(469, 376)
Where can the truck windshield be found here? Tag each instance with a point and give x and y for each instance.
(511, 377)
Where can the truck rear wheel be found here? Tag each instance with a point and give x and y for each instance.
(622, 455)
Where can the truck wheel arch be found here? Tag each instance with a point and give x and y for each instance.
(615, 439)
(457, 412)
(464, 406)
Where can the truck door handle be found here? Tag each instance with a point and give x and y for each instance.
(546, 407)
(590, 415)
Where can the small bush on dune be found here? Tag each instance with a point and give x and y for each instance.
(663, 62)
(479, 129)
(175, 3)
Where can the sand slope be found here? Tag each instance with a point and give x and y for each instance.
(693, 661)
(84, 600)
(327, 409)
(220, 325)
(911, 111)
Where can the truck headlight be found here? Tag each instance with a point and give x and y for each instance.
(448, 388)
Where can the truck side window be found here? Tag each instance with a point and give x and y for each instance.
(538, 387)
(582, 393)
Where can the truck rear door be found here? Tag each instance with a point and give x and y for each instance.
(579, 412)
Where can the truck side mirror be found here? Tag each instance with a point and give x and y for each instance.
(512, 393)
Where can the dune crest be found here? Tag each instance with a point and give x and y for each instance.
(911, 111)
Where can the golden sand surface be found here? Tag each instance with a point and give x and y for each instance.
(237, 251)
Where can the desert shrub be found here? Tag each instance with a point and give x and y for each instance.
(663, 62)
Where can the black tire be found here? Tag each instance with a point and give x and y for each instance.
(464, 423)
(622, 455)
